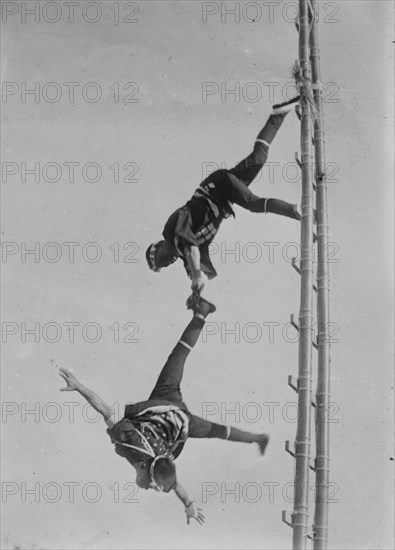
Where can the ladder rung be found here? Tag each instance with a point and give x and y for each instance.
(293, 382)
(293, 322)
(288, 449)
(284, 518)
(296, 267)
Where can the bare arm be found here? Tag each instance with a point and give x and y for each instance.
(191, 509)
(192, 255)
(93, 399)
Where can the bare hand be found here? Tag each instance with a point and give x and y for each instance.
(197, 286)
(71, 380)
(193, 512)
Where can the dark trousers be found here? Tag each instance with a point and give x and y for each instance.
(247, 170)
(234, 183)
(169, 381)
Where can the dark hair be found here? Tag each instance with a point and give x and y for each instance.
(148, 258)
(164, 473)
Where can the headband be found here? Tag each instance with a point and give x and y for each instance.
(150, 256)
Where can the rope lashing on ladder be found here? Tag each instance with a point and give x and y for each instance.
(305, 91)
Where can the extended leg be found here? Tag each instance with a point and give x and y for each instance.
(237, 192)
(169, 380)
(248, 169)
(201, 428)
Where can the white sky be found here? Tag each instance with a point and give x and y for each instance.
(170, 52)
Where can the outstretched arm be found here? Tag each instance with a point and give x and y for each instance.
(192, 255)
(191, 509)
(93, 399)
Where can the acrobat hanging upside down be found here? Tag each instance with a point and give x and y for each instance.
(152, 433)
(190, 229)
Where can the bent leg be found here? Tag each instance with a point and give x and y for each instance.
(248, 168)
(237, 192)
